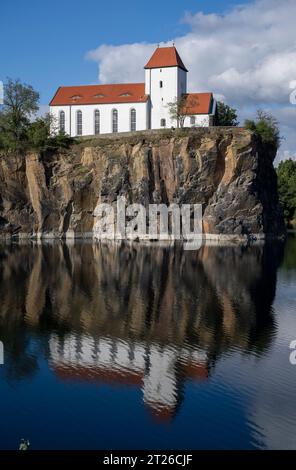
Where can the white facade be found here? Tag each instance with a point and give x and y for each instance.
(79, 111)
(154, 366)
(105, 123)
(164, 85)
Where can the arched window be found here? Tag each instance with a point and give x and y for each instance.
(79, 122)
(133, 119)
(97, 121)
(162, 122)
(114, 120)
(192, 120)
(62, 121)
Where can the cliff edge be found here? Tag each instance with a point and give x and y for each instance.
(227, 170)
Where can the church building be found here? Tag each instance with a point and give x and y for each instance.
(101, 109)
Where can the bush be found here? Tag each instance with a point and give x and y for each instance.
(286, 172)
(40, 138)
(266, 127)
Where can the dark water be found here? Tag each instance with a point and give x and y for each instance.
(134, 347)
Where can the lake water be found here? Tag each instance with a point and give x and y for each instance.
(130, 347)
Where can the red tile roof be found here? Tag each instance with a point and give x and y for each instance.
(196, 371)
(198, 103)
(100, 94)
(97, 374)
(165, 57)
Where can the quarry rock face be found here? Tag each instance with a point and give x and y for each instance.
(227, 170)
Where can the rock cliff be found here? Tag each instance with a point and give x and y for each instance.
(227, 170)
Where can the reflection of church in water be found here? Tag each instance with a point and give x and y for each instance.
(153, 318)
(160, 370)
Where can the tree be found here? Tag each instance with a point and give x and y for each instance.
(39, 133)
(20, 103)
(266, 126)
(286, 173)
(226, 116)
(180, 109)
(41, 139)
(176, 111)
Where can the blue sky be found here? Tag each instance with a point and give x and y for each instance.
(243, 51)
(44, 43)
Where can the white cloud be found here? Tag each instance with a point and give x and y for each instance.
(246, 56)
(121, 64)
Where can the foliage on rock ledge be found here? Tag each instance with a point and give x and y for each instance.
(18, 131)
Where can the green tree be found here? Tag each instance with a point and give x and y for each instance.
(266, 126)
(39, 133)
(226, 116)
(41, 139)
(20, 104)
(286, 173)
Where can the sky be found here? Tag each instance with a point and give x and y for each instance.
(243, 51)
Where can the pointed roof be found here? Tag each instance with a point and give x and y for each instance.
(165, 57)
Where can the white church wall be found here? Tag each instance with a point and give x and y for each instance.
(161, 96)
(88, 121)
(201, 120)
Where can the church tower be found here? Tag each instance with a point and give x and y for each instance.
(165, 81)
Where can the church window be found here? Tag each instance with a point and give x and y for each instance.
(62, 121)
(97, 121)
(133, 120)
(160, 84)
(192, 120)
(162, 123)
(79, 122)
(114, 120)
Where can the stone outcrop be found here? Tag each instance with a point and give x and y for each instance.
(227, 170)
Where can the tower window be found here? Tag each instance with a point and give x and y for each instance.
(162, 123)
(133, 120)
(160, 84)
(79, 122)
(62, 121)
(114, 120)
(192, 120)
(97, 121)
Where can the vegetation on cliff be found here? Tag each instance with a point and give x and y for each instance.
(19, 131)
(266, 127)
(45, 190)
(286, 173)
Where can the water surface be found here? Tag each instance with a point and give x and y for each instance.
(126, 347)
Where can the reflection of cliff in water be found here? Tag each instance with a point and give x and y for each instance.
(147, 316)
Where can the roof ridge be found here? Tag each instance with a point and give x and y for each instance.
(110, 93)
(102, 84)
